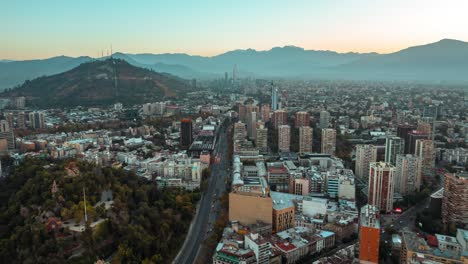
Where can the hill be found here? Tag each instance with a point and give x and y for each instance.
(99, 83)
(128, 216)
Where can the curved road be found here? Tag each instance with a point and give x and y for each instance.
(208, 209)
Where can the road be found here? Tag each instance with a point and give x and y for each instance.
(209, 205)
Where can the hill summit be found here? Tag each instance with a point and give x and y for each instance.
(100, 82)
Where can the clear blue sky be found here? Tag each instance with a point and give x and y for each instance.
(45, 28)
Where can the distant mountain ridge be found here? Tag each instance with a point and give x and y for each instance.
(100, 82)
(445, 60)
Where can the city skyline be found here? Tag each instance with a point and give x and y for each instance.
(36, 30)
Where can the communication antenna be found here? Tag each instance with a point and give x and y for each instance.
(85, 213)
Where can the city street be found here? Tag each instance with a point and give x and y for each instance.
(209, 205)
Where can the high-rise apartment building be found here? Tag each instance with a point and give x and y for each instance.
(186, 132)
(36, 120)
(393, 147)
(305, 139)
(425, 126)
(369, 234)
(284, 138)
(265, 113)
(455, 200)
(328, 141)
(365, 154)
(424, 149)
(261, 141)
(280, 117)
(381, 185)
(407, 174)
(302, 119)
(324, 119)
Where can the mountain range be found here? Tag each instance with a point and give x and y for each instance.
(442, 61)
(100, 82)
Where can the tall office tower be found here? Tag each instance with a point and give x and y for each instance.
(252, 125)
(425, 126)
(305, 139)
(402, 132)
(381, 184)
(280, 117)
(36, 120)
(302, 119)
(369, 234)
(284, 138)
(407, 174)
(265, 113)
(365, 154)
(261, 141)
(328, 141)
(393, 147)
(242, 113)
(455, 200)
(274, 98)
(226, 77)
(410, 145)
(324, 119)
(21, 120)
(186, 132)
(424, 149)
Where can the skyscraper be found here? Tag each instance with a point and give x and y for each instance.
(410, 145)
(280, 117)
(274, 98)
(393, 147)
(186, 132)
(369, 234)
(302, 119)
(324, 119)
(407, 174)
(328, 141)
(305, 139)
(381, 184)
(365, 154)
(284, 138)
(424, 149)
(454, 201)
(403, 132)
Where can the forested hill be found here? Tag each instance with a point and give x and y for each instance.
(100, 83)
(128, 217)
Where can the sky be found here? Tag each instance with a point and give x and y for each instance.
(40, 29)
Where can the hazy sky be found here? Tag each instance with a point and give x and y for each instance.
(45, 28)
